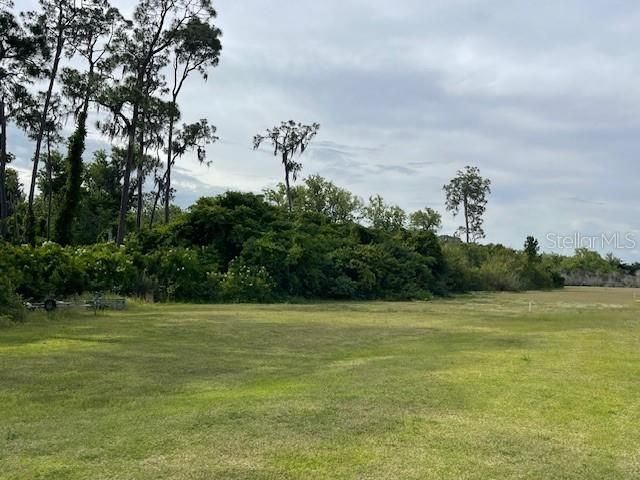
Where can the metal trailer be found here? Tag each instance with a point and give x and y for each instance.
(97, 302)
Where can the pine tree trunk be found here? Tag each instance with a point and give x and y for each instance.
(466, 218)
(126, 181)
(131, 152)
(159, 192)
(49, 186)
(286, 181)
(4, 210)
(30, 233)
(154, 207)
(167, 195)
(140, 203)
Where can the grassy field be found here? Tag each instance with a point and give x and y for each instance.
(472, 388)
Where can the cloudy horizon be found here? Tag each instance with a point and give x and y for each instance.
(542, 97)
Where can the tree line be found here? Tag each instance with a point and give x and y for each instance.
(243, 247)
(319, 242)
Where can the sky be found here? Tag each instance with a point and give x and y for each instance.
(542, 96)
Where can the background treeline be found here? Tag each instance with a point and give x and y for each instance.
(242, 247)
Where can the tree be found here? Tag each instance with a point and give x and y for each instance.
(288, 139)
(381, 216)
(338, 204)
(55, 25)
(197, 48)
(155, 29)
(15, 206)
(94, 31)
(17, 68)
(195, 136)
(469, 191)
(153, 117)
(28, 119)
(532, 249)
(427, 220)
(319, 195)
(51, 183)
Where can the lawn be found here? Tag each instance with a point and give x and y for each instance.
(476, 387)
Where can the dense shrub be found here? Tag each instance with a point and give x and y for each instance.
(242, 283)
(11, 307)
(180, 273)
(237, 248)
(496, 268)
(107, 268)
(37, 272)
(500, 273)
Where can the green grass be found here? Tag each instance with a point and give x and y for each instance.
(472, 388)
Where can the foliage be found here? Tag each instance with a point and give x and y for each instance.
(496, 268)
(428, 220)
(469, 191)
(585, 260)
(242, 283)
(317, 194)
(381, 216)
(107, 268)
(287, 140)
(11, 306)
(37, 272)
(72, 191)
(237, 247)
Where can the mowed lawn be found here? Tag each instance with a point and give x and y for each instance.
(476, 387)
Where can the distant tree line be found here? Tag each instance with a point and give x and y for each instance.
(243, 247)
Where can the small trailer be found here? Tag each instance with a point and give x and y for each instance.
(97, 302)
(48, 304)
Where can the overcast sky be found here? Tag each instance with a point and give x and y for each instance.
(542, 96)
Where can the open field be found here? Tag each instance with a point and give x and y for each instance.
(472, 388)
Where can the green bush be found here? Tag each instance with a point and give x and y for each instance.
(242, 283)
(500, 274)
(38, 272)
(107, 268)
(180, 273)
(496, 268)
(237, 248)
(11, 306)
